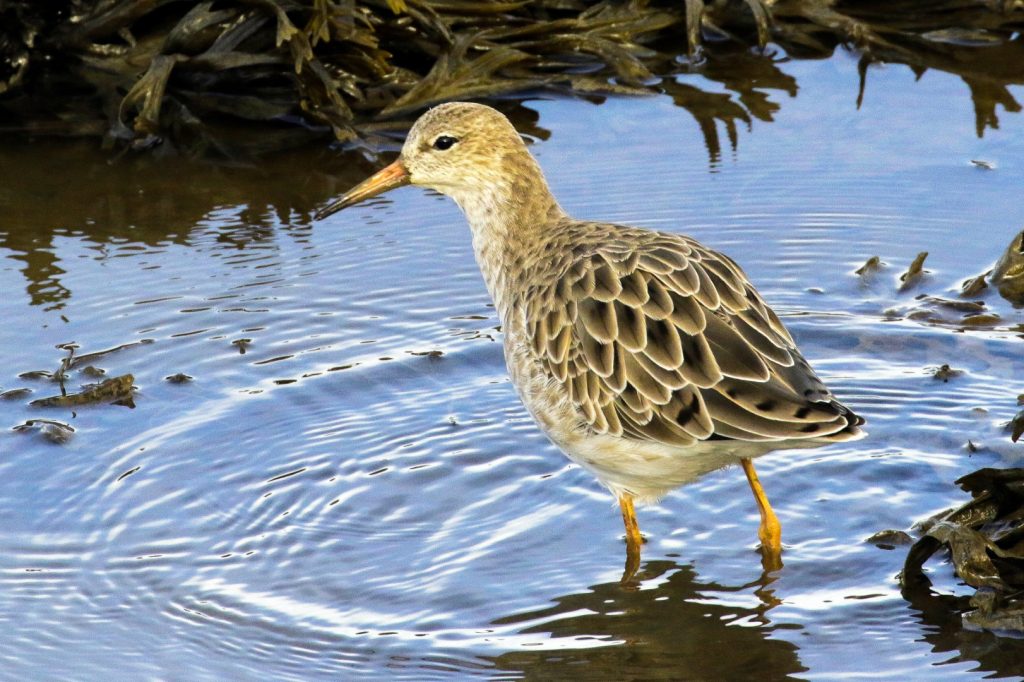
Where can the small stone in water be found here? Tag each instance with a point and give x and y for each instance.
(93, 371)
(178, 378)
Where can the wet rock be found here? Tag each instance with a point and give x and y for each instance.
(1008, 273)
(93, 371)
(15, 393)
(178, 378)
(945, 373)
(117, 390)
(914, 272)
(55, 432)
(890, 539)
(872, 265)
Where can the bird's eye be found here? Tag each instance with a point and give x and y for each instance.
(444, 142)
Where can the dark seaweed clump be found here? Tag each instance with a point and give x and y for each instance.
(985, 539)
(142, 72)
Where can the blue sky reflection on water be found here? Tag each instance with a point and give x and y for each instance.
(361, 494)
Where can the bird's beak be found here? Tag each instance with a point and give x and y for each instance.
(387, 178)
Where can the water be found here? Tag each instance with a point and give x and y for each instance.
(361, 495)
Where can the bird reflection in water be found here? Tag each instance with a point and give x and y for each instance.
(681, 628)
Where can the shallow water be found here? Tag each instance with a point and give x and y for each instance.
(359, 494)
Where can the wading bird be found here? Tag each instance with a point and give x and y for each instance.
(648, 358)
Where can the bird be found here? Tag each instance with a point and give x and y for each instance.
(648, 358)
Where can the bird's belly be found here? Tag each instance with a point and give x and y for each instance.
(648, 470)
(645, 469)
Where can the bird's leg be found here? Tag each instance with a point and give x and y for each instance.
(633, 538)
(770, 531)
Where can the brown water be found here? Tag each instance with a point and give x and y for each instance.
(360, 493)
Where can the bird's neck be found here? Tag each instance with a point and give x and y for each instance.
(509, 217)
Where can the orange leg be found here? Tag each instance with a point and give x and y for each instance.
(770, 531)
(633, 538)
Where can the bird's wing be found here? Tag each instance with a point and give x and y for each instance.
(657, 337)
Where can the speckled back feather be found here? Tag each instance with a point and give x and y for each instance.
(656, 337)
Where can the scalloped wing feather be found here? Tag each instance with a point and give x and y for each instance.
(656, 337)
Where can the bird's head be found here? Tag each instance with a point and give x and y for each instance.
(458, 149)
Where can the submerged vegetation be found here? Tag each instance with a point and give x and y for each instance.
(187, 73)
(985, 538)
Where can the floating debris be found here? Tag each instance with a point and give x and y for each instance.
(981, 320)
(914, 272)
(77, 360)
(959, 306)
(1016, 426)
(117, 390)
(1008, 273)
(971, 447)
(242, 345)
(974, 286)
(53, 431)
(178, 378)
(985, 538)
(432, 354)
(984, 165)
(890, 539)
(945, 373)
(36, 374)
(872, 265)
(15, 393)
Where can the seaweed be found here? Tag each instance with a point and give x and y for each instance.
(145, 73)
(985, 538)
